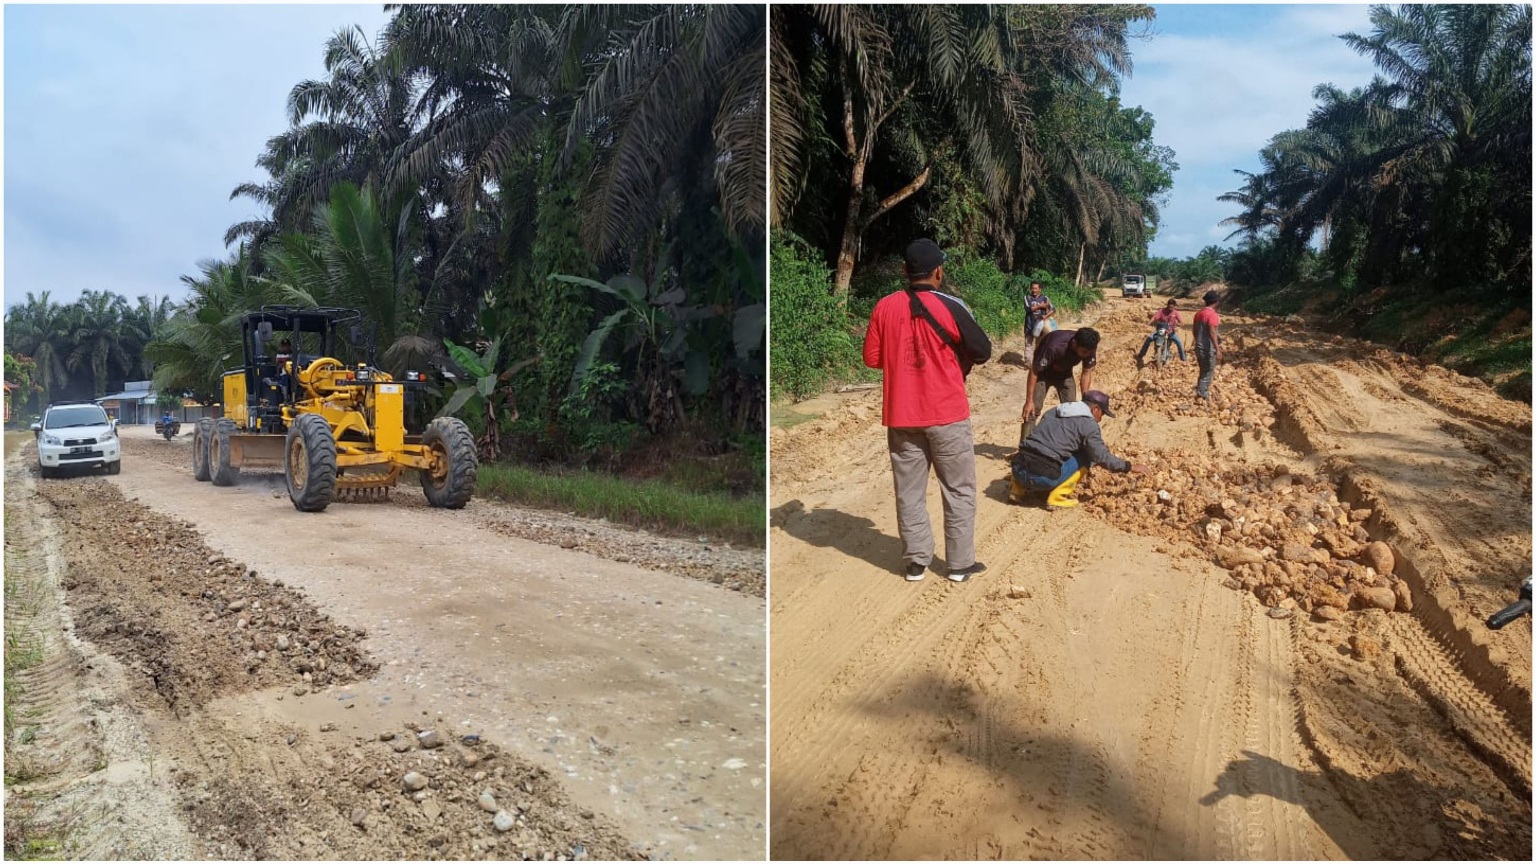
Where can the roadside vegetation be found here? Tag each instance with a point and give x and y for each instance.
(876, 143)
(560, 207)
(1401, 212)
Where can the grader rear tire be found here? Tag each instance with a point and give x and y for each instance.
(310, 466)
(202, 437)
(453, 485)
(225, 473)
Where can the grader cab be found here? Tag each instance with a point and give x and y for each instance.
(337, 431)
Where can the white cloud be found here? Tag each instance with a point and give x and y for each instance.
(127, 127)
(1219, 97)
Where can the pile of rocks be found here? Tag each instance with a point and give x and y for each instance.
(1285, 538)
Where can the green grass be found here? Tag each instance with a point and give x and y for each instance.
(657, 505)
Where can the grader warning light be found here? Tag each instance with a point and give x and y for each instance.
(337, 432)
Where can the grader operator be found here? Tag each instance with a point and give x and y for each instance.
(336, 430)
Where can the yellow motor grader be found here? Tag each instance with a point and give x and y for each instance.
(337, 431)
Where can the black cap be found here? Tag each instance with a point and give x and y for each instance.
(1211, 297)
(923, 257)
(1097, 397)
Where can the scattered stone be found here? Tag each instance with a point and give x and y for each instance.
(387, 735)
(503, 821)
(282, 643)
(431, 809)
(1296, 552)
(358, 815)
(1279, 612)
(1327, 613)
(487, 802)
(300, 690)
(402, 744)
(1231, 556)
(1018, 592)
(429, 740)
(414, 781)
(237, 605)
(1379, 556)
(1377, 598)
(1364, 647)
(1404, 596)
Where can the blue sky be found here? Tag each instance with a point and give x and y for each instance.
(1221, 80)
(126, 127)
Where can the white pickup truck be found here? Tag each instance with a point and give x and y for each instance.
(1134, 285)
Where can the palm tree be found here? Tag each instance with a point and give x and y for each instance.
(40, 328)
(96, 323)
(674, 96)
(910, 84)
(353, 260)
(202, 339)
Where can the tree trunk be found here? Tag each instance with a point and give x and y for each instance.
(1104, 262)
(859, 152)
(847, 254)
(1082, 248)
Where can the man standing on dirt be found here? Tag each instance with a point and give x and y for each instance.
(925, 343)
(1207, 344)
(1055, 357)
(1041, 311)
(1061, 449)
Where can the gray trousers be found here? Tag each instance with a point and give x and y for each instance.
(951, 451)
(1066, 391)
(1207, 363)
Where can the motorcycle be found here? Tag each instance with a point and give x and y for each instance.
(1497, 620)
(1162, 344)
(167, 426)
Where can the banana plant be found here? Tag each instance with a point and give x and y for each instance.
(481, 391)
(655, 322)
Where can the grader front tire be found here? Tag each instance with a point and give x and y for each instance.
(202, 438)
(453, 484)
(225, 473)
(310, 466)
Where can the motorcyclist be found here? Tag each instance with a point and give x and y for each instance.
(1169, 317)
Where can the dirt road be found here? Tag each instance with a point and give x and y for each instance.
(1211, 672)
(280, 674)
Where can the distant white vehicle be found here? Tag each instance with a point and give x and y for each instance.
(1134, 285)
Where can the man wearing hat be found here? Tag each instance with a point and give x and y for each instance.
(1063, 446)
(925, 343)
(1207, 344)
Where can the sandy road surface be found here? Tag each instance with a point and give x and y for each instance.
(614, 710)
(1108, 689)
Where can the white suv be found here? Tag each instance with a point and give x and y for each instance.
(78, 433)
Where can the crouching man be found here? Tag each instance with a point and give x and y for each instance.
(1061, 448)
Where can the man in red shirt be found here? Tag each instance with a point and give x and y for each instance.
(925, 343)
(1207, 344)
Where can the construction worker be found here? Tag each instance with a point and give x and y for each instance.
(1063, 446)
(1055, 356)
